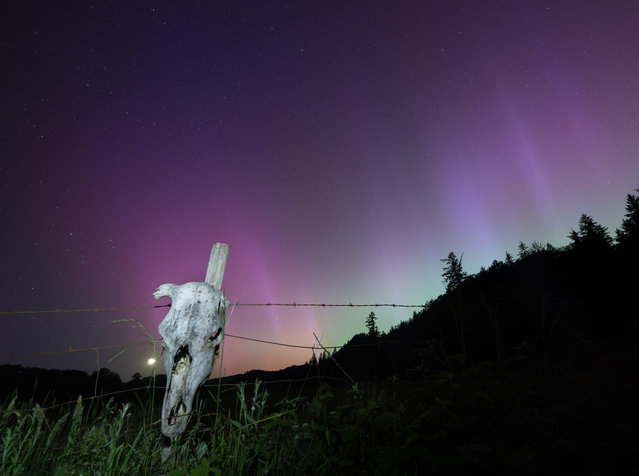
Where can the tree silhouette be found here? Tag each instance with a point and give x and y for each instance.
(509, 259)
(629, 232)
(371, 325)
(495, 265)
(453, 273)
(454, 276)
(523, 250)
(105, 380)
(536, 247)
(591, 235)
(136, 377)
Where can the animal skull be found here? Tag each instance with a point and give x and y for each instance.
(192, 333)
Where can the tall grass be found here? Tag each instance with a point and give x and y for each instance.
(254, 437)
(78, 442)
(503, 417)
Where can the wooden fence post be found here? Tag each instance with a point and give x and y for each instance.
(217, 265)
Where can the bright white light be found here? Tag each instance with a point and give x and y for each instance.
(151, 361)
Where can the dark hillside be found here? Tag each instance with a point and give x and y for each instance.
(549, 305)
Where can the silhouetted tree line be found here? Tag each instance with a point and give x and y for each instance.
(46, 385)
(548, 304)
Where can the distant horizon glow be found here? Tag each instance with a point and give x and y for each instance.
(341, 150)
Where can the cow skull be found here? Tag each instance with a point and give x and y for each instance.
(192, 333)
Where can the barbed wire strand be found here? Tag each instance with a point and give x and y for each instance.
(233, 386)
(281, 343)
(71, 350)
(230, 387)
(193, 413)
(91, 309)
(297, 304)
(267, 304)
(126, 308)
(252, 339)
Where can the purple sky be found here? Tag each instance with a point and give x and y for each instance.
(340, 148)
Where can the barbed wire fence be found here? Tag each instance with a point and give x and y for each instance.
(229, 386)
(236, 304)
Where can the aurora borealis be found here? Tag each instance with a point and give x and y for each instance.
(341, 149)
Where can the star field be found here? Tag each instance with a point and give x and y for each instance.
(340, 149)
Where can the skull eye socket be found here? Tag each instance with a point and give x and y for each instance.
(182, 353)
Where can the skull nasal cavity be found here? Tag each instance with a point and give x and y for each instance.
(179, 409)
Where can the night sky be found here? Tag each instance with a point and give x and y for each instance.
(340, 148)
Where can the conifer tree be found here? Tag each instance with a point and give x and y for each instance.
(629, 231)
(453, 273)
(590, 235)
(371, 325)
(509, 259)
(454, 276)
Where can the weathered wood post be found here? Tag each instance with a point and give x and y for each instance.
(192, 333)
